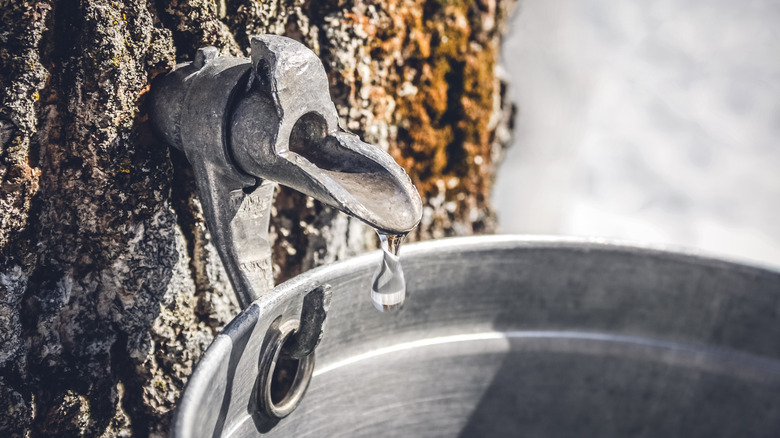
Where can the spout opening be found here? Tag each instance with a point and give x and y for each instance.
(359, 179)
(309, 139)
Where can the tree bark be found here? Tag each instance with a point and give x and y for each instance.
(110, 289)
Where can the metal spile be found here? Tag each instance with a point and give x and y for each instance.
(245, 125)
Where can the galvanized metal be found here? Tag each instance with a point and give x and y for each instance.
(245, 125)
(313, 313)
(275, 403)
(509, 336)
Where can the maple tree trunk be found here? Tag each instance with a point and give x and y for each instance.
(110, 289)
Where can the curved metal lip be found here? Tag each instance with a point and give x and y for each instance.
(237, 327)
(511, 241)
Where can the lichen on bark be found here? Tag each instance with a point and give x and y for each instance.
(110, 288)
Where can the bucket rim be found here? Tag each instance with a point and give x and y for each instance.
(237, 328)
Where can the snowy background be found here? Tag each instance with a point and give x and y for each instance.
(653, 121)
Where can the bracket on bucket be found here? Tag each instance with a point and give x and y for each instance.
(287, 361)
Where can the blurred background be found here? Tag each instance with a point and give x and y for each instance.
(652, 121)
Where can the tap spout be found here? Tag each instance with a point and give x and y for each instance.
(304, 147)
(246, 125)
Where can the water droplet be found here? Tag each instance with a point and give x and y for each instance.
(388, 289)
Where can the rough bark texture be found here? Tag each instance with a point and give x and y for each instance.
(109, 287)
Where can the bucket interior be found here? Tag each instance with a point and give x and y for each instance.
(503, 336)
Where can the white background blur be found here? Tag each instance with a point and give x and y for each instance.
(653, 121)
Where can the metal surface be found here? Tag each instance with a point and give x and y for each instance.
(247, 124)
(506, 336)
(313, 314)
(287, 358)
(281, 386)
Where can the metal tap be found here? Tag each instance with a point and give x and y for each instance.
(246, 124)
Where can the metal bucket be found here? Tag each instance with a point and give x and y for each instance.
(508, 336)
